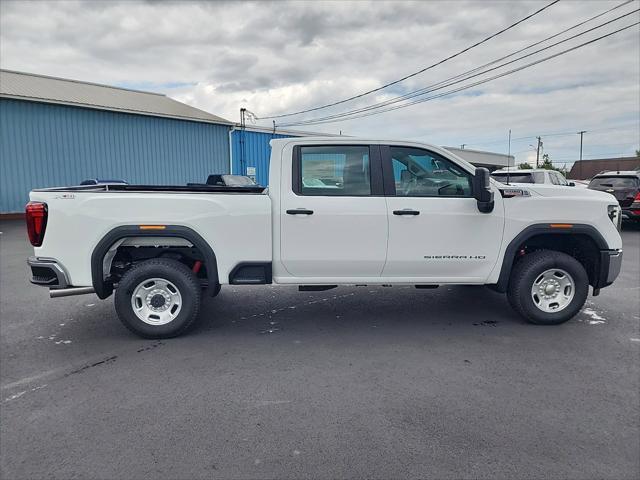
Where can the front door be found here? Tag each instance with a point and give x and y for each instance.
(436, 232)
(334, 218)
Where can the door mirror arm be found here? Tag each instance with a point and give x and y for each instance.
(482, 190)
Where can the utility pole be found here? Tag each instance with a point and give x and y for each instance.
(538, 152)
(243, 112)
(581, 133)
(509, 157)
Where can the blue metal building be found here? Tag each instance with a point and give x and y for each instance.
(59, 132)
(250, 152)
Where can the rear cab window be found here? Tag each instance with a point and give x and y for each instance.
(514, 177)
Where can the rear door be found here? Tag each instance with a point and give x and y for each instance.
(436, 232)
(334, 218)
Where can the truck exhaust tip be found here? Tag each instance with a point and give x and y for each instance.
(67, 292)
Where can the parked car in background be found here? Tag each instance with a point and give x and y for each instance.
(226, 180)
(625, 186)
(230, 180)
(531, 175)
(581, 183)
(102, 181)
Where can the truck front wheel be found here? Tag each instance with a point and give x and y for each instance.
(158, 298)
(548, 287)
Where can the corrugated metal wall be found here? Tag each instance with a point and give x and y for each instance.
(257, 153)
(46, 145)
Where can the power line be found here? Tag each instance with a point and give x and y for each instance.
(419, 71)
(467, 75)
(465, 87)
(555, 134)
(447, 82)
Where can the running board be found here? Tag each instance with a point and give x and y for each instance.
(315, 288)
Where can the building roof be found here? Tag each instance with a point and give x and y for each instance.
(280, 131)
(482, 158)
(584, 169)
(41, 88)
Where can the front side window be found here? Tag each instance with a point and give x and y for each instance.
(334, 171)
(420, 173)
(561, 179)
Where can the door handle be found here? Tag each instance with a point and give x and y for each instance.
(406, 212)
(300, 211)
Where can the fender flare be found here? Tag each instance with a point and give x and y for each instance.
(104, 289)
(537, 229)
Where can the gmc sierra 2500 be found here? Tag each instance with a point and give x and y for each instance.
(337, 212)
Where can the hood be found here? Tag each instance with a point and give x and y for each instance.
(572, 192)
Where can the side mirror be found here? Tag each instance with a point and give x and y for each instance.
(482, 190)
(572, 184)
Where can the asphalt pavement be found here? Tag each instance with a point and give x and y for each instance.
(357, 382)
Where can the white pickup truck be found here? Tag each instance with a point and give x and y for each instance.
(337, 212)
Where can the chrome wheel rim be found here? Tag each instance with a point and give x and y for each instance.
(156, 301)
(553, 290)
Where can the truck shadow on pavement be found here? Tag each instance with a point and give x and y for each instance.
(246, 310)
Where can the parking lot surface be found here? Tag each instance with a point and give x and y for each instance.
(353, 382)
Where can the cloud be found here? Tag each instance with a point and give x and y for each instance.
(276, 57)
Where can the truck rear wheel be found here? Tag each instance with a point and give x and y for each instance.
(548, 287)
(158, 298)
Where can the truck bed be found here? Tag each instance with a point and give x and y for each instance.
(257, 189)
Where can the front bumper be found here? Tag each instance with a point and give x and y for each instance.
(610, 265)
(48, 272)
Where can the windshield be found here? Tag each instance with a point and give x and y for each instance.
(614, 182)
(514, 177)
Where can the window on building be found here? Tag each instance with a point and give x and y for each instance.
(420, 173)
(334, 170)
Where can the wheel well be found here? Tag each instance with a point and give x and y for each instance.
(130, 251)
(126, 245)
(580, 246)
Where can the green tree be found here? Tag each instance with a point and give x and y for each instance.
(637, 153)
(525, 166)
(547, 164)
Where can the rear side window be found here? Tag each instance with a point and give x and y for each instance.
(340, 170)
(614, 182)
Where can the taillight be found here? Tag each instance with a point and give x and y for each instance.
(36, 214)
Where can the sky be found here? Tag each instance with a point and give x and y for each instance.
(281, 57)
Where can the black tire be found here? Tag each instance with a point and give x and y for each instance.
(180, 276)
(525, 273)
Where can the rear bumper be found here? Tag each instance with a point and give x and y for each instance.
(48, 272)
(631, 214)
(610, 265)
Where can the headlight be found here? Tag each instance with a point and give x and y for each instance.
(613, 211)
